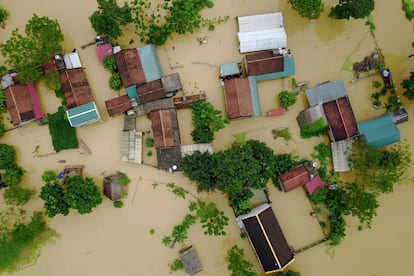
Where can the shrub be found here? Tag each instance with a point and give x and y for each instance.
(317, 128)
(52, 79)
(115, 82)
(238, 265)
(287, 99)
(109, 63)
(408, 8)
(13, 175)
(7, 156)
(16, 195)
(118, 204)
(149, 142)
(176, 265)
(63, 135)
(123, 179)
(2, 129)
(310, 9)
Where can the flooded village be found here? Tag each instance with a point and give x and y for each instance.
(144, 130)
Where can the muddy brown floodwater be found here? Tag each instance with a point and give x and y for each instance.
(118, 241)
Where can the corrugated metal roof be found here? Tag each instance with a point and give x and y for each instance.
(326, 92)
(310, 115)
(380, 131)
(83, 115)
(229, 69)
(341, 151)
(190, 149)
(150, 63)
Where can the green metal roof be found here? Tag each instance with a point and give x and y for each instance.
(150, 63)
(132, 92)
(229, 69)
(380, 131)
(83, 115)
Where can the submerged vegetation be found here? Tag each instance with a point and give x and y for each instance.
(63, 135)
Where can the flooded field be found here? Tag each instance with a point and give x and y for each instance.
(114, 241)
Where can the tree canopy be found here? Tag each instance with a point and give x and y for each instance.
(310, 9)
(110, 17)
(287, 99)
(52, 194)
(26, 54)
(7, 156)
(237, 264)
(352, 8)
(408, 85)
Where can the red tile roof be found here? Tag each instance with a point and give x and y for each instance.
(295, 178)
(150, 91)
(184, 102)
(162, 127)
(118, 105)
(130, 67)
(238, 98)
(264, 63)
(341, 118)
(75, 87)
(19, 103)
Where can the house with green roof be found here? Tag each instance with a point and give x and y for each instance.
(380, 132)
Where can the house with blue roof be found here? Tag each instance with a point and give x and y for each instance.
(380, 132)
(83, 115)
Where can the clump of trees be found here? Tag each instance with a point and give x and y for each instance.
(63, 135)
(237, 263)
(110, 17)
(352, 8)
(4, 14)
(115, 81)
(315, 129)
(287, 98)
(26, 54)
(206, 120)
(408, 85)
(78, 193)
(310, 9)
(408, 8)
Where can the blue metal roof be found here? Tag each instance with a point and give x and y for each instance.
(326, 92)
(150, 63)
(380, 131)
(229, 69)
(83, 115)
(132, 92)
(257, 111)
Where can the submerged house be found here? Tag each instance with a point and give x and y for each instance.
(237, 97)
(303, 175)
(22, 103)
(267, 238)
(111, 187)
(261, 32)
(118, 105)
(380, 132)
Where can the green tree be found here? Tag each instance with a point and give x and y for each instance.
(27, 54)
(82, 194)
(2, 129)
(115, 82)
(109, 63)
(408, 8)
(206, 121)
(211, 218)
(13, 175)
(199, 167)
(7, 156)
(408, 85)
(288, 273)
(283, 163)
(310, 9)
(53, 196)
(16, 195)
(52, 79)
(352, 8)
(238, 265)
(315, 129)
(109, 18)
(3, 107)
(4, 14)
(287, 99)
(49, 176)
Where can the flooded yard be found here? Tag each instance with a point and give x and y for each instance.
(120, 241)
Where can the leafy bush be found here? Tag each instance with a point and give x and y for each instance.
(317, 128)
(109, 63)
(4, 14)
(408, 85)
(13, 175)
(3, 107)
(118, 204)
(63, 135)
(123, 179)
(352, 8)
(149, 142)
(115, 82)
(310, 9)
(52, 79)
(408, 8)
(176, 265)
(82, 194)
(287, 99)
(238, 265)
(53, 195)
(16, 195)
(7, 156)
(2, 129)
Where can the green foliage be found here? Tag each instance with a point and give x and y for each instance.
(2, 129)
(379, 169)
(155, 22)
(317, 128)
(352, 8)
(212, 219)
(82, 194)
(152, 231)
(310, 9)
(4, 14)
(115, 81)
(27, 54)
(320, 195)
(109, 18)
(49, 176)
(3, 107)
(408, 8)
(13, 175)
(118, 204)
(283, 163)
(123, 179)
(238, 265)
(109, 63)
(199, 167)
(288, 273)
(16, 195)
(176, 265)
(149, 142)
(206, 121)
(408, 85)
(7, 156)
(240, 202)
(287, 99)
(63, 135)
(53, 195)
(323, 152)
(52, 79)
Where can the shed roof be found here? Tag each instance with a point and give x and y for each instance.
(310, 115)
(150, 91)
(326, 92)
(22, 103)
(238, 98)
(189, 259)
(149, 62)
(266, 238)
(103, 50)
(264, 63)
(118, 105)
(165, 127)
(72, 60)
(341, 119)
(83, 115)
(294, 178)
(130, 67)
(111, 187)
(341, 151)
(171, 83)
(380, 131)
(75, 87)
(261, 32)
(230, 69)
(132, 146)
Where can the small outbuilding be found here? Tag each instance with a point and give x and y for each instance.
(189, 259)
(380, 132)
(111, 187)
(83, 115)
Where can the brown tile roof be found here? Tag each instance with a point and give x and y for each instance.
(184, 102)
(118, 105)
(295, 178)
(165, 127)
(264, 63)
(150, 91)
(75, 87)
(341, 118)
(19, 103)
(238, 98)
(130, 67)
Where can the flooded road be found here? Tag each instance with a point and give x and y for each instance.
(118, 241)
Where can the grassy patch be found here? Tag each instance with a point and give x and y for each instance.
(63, 135)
